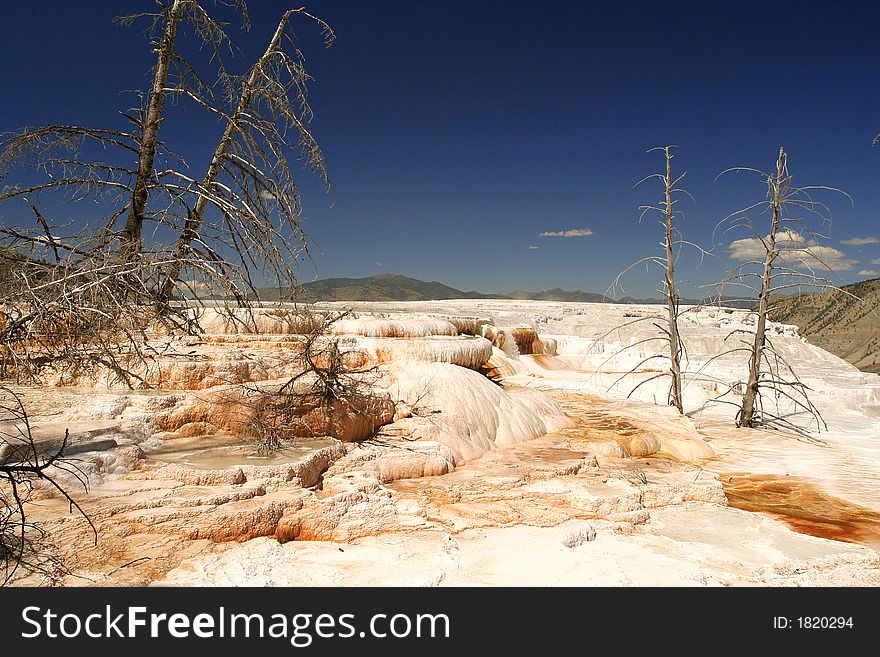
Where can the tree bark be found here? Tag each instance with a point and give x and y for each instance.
(747, 413)
(132, 234)
(671, 296)
(195, 217)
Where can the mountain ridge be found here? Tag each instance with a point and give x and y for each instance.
(396, 287)
(379, 287)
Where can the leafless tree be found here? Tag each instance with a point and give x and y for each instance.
(791, 259)
(158, 240)
(23, 462)
(83, 294)
(671, 246)
(334, 382)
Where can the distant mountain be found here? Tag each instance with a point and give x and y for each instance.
(633, 300)
(394, 287)
(381, 287)
(847, 327)
(558, 294)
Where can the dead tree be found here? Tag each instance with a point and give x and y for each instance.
(790, 258)
(131, 239)
(671, 246)
(165, 240)
(23, 463)
(335, 383)
(249, 147)
(158, 240)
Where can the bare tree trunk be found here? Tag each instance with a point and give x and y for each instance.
(746, 416)
(194, 218)
(666, 323)
(132, 233)
(671, 296)
(93, 298)
(23, 461)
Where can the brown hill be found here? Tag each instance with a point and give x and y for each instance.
(846, 326)
(394, 287)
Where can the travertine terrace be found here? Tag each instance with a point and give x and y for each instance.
(504, 451)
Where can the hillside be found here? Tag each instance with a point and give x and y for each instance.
(394, 287)
(381, 287)
(558, 294)
(837, 322)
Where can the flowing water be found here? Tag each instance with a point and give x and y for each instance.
(804, 507)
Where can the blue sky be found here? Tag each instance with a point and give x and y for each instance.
(457, 132)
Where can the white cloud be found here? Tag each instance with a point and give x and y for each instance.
(192, 287)
(861, 241)
(378, 263)
(532, 247)
(875, 261)
(796, 251)
(868, 272)
(266, 195)
(572, 232)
